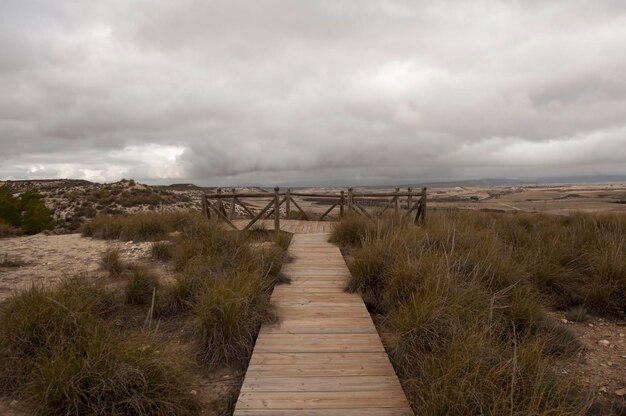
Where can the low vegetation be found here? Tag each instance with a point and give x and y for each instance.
(82, 347)
(148, 226)
(7, 260)
(463, 302)
(61, 355)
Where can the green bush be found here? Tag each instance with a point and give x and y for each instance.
(28, 212)
(36, 218)
(10, 208)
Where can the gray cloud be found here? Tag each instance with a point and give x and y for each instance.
(311, 92)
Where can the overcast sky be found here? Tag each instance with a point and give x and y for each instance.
(311, 92)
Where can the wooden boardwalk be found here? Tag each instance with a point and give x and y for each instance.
(292, 226)
(324, 357)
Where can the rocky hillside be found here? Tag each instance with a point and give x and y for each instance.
(73, 201)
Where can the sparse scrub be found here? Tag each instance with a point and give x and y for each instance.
(60, 354)
(138, 227)
(351, 230)
(112, 263)
(141, 285)
(229, 314)
(7, 230)
(162, 250)
(222, 283)
(464, 295)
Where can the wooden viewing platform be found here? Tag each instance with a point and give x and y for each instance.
(324, 356)
(292, 226)
(215, 203)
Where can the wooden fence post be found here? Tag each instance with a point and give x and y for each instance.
(350, 200)
(205, 207)
(424, 205)
(276, 211)
(409, 199)
(220, 205)
(421, 211)
(396, 207)
(231, 213)
(341, 203)
(288, 203)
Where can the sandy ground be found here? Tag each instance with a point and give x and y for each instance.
(47, 258)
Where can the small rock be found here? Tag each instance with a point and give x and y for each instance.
(609, 363)
(564, 320)
(193, 392)
(590, 325)
(604, 342)
(603, 389)
(620, 392)
(622, 335)
(623, 356)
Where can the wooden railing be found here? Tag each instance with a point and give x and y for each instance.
(346, 201)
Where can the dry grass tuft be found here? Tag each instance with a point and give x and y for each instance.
(60, 354)
(141, 285)
(112, 263)
(147, 226)
(7, 230)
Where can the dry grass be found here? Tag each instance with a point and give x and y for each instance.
(463, 300)
(61, 356)
(7, 230)
(112, 263)
(139, 227)
(141, 286)
(224, 284)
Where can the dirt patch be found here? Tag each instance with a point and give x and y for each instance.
(46, 258)
(601, 366)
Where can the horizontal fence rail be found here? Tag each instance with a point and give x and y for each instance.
(400, 202)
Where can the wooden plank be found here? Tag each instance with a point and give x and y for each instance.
(321, 400)
(292, 384)
(303, 290)
(318, 297)
(295, 358)
(322, 370)
(319, 343)
(300, 327)
(388, 411)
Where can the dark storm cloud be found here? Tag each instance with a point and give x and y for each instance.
(275, 91)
